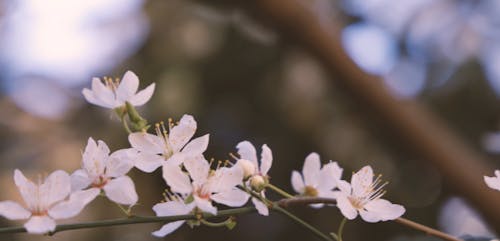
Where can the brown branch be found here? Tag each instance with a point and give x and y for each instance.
(426, 229)
(411, 122)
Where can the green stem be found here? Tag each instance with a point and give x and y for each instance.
(341, 229)
(125, 124)
(302, 223)
(215, 225)
(136, 219)
(279, 191)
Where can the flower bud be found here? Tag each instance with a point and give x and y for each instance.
(247, 166)
(258, 183)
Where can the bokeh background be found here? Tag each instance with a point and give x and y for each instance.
(245, 80)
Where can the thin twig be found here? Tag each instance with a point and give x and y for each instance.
(302, 223)
(426, 229)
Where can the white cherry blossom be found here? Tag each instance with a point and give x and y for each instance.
(493, 182)
(170, 145)
(101, 171)
(316, 181)
(206, 185)
(255, 173)
(113, 93)
(175, 206)
(45, 201)
(363, 196)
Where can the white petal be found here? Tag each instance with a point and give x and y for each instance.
(344, 187)
(225, 179)
(95, 157)
(262, 208)
(329, 175)
(171, 208)
(26, 187)
(361, 181)
(13, 211)
(147, 162)
(57, 186)
(145, 142)
(179, 158)
(266, 160)
(128, 86)
(80, 180)
(198, 168)
(311, 170)
(40, 225)
(121, 190)
(205, 205)
(120, 162)
(247, 151)
(231, 198)
(346, 207)
(168, 228)
(72, 207)
(381, 210)
(143, 96)
(90, 97)
(177, 180)
(493, 182)
(297, 182)
(104, 94)
(197, 146)
(181, 133)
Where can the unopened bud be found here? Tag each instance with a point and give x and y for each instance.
(258, 183)
(247, 166)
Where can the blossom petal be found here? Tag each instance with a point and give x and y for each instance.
(147, 162)
(182, 133)
(266, 160)
(168, 228)
(57, 186)
(40, 225)
(171, 208)
(297, 182)
(247, 151)
(361, 181)
(262, 208)
(198, 168)
(95, 157)
(145, 142)
(231, 198)
(225, 179)
(329, 175)
(178, 158)
(205, 205)
(90, 97)
(80, 180)
(197, 146)
(26, 187)
(346, 207)
(143, 96)
(311, 170)
(381, 210)
(493, 182)
(121, 190)
(72, 207)
(344, 187)
(104, 95)
(13, 211)
(128, 86)
(120, 162)
(177, 180)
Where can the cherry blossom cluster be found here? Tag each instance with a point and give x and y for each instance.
(194, 183)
